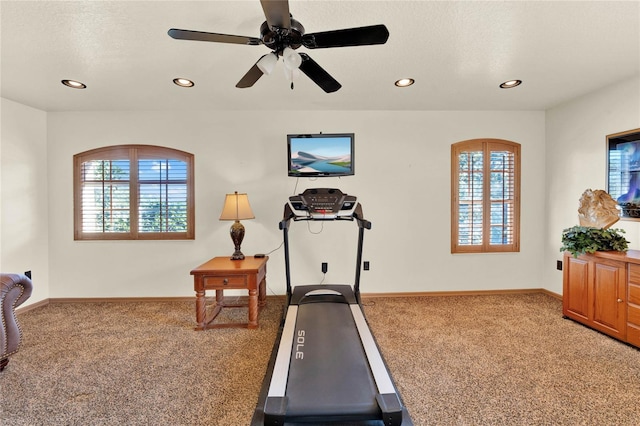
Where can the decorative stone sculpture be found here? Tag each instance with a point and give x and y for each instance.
(598, 209)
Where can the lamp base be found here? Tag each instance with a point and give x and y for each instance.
(237, 235)
(237, 255)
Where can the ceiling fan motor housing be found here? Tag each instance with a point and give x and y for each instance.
(277, 39)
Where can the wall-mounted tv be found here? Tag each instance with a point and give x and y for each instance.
(321, 155)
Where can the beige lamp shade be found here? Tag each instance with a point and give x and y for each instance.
(236, 207)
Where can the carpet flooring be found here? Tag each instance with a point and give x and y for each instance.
(457, 360)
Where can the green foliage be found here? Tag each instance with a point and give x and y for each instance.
(583, 239)
(159, 217)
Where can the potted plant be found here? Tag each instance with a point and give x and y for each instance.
(579, 240)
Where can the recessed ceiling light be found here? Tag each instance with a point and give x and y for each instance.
(405, 82)
(183, 82)
(511, 83)
(74, 84)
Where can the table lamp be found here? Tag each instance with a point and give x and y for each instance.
(236, 208)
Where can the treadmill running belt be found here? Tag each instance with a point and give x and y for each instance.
(329, 376)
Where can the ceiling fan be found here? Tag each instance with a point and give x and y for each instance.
(283, 35)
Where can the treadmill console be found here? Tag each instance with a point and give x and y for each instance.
(323, 203)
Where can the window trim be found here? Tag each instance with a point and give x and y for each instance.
(132, 153)
(486, 146)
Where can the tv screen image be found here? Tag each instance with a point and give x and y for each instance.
(321, 155)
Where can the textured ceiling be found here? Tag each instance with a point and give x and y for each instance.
(457, 51)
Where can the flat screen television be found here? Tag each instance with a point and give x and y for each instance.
(321, 155)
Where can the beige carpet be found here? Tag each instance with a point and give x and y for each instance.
(473, 360)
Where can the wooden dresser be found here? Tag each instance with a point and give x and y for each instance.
(602, 291)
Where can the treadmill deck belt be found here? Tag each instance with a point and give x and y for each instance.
(329, 374)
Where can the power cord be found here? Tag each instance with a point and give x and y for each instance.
(275, 249)
(312, 232)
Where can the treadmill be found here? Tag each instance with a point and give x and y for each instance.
(325, 367)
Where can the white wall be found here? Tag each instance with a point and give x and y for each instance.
(576, 160)
(402, 180)
(23, 195)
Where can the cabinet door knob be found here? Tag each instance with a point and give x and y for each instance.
(620, 300)
(226, 281)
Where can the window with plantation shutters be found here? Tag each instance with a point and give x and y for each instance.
(133, 192)
(485, 183)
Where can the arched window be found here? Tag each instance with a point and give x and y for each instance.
(485, 199)
(133, 192)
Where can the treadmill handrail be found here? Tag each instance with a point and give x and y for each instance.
(286, 217)
(362, 222)
(357, 215)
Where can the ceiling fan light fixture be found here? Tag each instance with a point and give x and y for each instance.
(267, 63)
(292, 59)
(404, 82)
(74, 84)
(510, 84)
(183, 82)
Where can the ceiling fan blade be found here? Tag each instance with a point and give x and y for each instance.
(253, 75)
(362, 36)
(218, 38)
(277, 13)
(318, 75)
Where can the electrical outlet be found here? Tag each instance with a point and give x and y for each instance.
(366, 265)
(325, 267)
(559, 265)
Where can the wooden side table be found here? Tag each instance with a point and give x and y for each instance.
(222, 273)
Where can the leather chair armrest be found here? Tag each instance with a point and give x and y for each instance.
(15, 289)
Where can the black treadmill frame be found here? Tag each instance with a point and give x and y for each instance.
(392, 409)
(362, 225)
